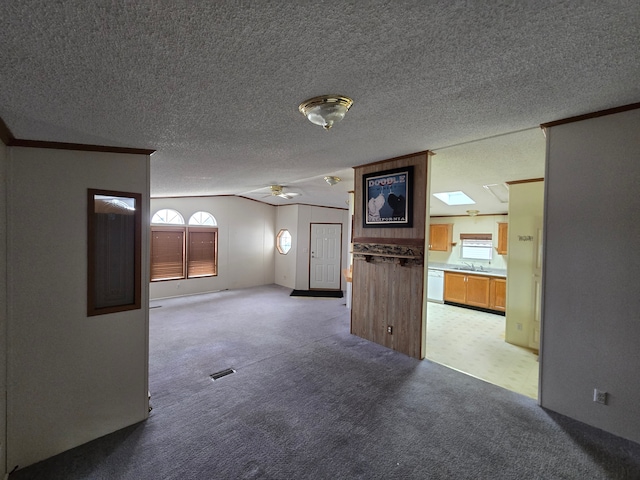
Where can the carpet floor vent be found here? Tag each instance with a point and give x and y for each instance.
(222, 373)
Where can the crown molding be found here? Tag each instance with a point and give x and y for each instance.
(10, 141)
(587, 116)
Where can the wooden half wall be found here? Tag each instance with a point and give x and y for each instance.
(389, 265)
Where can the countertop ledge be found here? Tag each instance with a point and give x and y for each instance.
(447, 267)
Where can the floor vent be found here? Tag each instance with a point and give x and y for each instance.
(222, 373)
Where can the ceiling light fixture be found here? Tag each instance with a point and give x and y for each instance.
(473, 213)
(325, 110)
(332, 180)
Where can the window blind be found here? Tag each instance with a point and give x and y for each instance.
(476, 246)
(167, 253)
(202, 253)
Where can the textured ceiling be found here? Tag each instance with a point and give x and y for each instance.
(214, 87)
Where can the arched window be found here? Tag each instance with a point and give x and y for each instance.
(204, 219)
(179, 251)
(167, 216)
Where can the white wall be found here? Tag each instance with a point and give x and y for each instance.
(526, 206)
(3, 308)
(246, 250)
(285, 265)
(306, 216)
(591, 324)
(246, 244)
(71, 378)
(478, 224)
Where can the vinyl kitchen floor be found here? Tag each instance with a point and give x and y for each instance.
(473, 342)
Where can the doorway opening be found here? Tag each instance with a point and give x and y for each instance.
(502, 350)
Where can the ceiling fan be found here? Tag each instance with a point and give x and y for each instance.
(278, 191)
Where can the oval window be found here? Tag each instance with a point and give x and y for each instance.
(283, 241)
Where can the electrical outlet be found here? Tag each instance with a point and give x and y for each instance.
(519, 326)
(389, 329)
(599, 396)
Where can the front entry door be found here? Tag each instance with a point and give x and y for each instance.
(325, 256)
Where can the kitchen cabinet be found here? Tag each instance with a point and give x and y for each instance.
(467, 289)
(475, 290)
(440, 237)
(455, 287)
(503, 238)
(498, 294)
(478, 291)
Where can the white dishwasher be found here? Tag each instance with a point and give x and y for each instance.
(435, 286)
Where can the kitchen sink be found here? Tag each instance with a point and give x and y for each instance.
(469, 269)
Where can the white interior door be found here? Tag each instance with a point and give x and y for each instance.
(325, 256)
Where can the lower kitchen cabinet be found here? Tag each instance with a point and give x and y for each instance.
(478, 291)
(455, 287)
(498, 294)
(475, 290)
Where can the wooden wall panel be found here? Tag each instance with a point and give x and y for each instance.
(388, 294)
(419, 162)
(388, 290)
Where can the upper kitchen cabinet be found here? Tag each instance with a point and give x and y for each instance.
(502, 238)
(440, 237)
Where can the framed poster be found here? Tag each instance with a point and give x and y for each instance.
(388, 198)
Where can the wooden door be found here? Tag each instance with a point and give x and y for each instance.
(325, 256)
(478, 291)
(455, 287)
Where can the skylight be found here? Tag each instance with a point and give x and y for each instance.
(498, 190)
(454, 198)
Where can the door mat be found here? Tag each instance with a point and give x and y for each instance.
(317, 293)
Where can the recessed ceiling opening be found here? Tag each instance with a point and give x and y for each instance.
(498, 190)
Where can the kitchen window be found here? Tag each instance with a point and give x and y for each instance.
(476, 246)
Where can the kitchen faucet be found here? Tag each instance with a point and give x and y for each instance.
(473, 268)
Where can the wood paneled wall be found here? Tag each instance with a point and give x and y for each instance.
(388, 290)
(419, 162)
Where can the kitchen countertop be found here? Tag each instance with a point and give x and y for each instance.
(449, 267)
